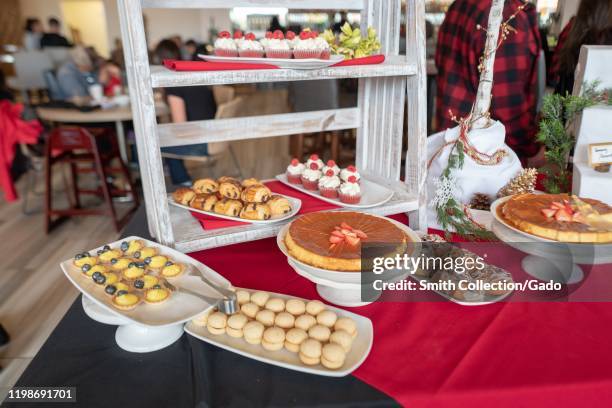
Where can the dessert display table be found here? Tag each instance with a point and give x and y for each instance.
(424, 353)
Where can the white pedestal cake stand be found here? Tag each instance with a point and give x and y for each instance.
(549, 260)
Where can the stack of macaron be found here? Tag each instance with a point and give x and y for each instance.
(309, 44)
(326, 178)
(315, 333)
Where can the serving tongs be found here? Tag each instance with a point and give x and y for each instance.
(227, 303)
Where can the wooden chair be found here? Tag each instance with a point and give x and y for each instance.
(74, 146)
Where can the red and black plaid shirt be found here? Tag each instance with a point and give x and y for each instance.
(460, 46)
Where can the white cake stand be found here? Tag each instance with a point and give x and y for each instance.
(133, 337)
(549, 260)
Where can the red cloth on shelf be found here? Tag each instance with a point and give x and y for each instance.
(442, 354)
(13, 130)
(309, 204)
(370, 60)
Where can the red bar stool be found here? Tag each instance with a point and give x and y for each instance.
(79, 148)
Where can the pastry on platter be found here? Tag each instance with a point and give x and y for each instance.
(90, 270)
(120, 264)
(145, 252)
(250, 182)
(279, 206)
(183, 195)
(332, 240)
(124, 300)
(204, 202)
(146, 282)
(107, 254)
(172, 269)
(228, 207)
(256, 212)
(134, 271)
(226, 179)
(132, 246)
(156, 295)
(156, 262)
(230, 189)
(84, 258)
(116, 287)
(205, 186)
(559, 217)
(257, 193)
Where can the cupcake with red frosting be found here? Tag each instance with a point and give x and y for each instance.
(348, 172)
(315, 159)
(311, 177)
(295, 171)
(350, 192)
(249, 47)
(329, 184)
(331, 165)
(277, 46)
(308, 46)
(225, 46)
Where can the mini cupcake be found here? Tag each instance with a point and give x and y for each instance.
(331, 165)
(295, 171)
(311, 176)
(292, 39)
(266, 40)
(329, 184)
(315, 159)
(350, 192)
(249, 47)
(277, 46)
(238, 38)
(348, 172)
(225, 46)
(325, 48)
(307, 47)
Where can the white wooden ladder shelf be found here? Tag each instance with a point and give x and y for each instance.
(384, 90)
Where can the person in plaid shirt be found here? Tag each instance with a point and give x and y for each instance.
(460, 46)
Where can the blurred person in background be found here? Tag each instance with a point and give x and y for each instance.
(460, 46)
(592, 25)
(186, 103)
(33, 34)
(189, 49)
(275, 25)
(53, 37)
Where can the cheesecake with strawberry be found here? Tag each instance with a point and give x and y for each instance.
(333, 240)
(559, 217)
(225, 46)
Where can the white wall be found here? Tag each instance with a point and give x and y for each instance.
(89, 18)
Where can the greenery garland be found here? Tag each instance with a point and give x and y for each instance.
(555, 133)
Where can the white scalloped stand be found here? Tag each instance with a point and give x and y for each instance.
(339, 288)
(547, 262)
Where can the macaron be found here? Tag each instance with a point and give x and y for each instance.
(249, 310)
(294, 338)
(273, 339)
(319, 332)
(243, 297)
(295, 306)
(305, 322)
(332, 356)
(216, 323)
(343, 339)
(310, 352)
(347, 324)
(253, 332)
(284, 320)
(276, 305)
(327, 318)
(260, 298)
(265, 317)
(235, 325)
(314, 307)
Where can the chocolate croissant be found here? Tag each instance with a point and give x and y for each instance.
(256, 194)
(250, 182)
(206, 186)
(228, 207)
(205, 202)
(279, 205)
(230, 189)
(254, 211)
(183, 195)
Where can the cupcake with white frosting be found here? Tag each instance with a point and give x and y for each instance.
(308, 46)
(277, 46)
(329, 184)
(295, 171)
(331, 165)
(225, 46)
(311, 176)
(350, 192)
(249, 47)
(345, 174)
(292, 39)
(315, 159)
(325, 48)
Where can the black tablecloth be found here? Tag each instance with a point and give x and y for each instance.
(82, 353)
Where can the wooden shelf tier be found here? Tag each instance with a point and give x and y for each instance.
(394, 66)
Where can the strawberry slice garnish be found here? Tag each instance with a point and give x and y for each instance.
(225, 34)
(338, 234)
(563, 216)
(335, 240)
(360, 234)
(353, 241)
(345, 226)
(549, 212)
(250, 37)
(238, 35)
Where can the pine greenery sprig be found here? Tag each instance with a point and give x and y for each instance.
(558, 115)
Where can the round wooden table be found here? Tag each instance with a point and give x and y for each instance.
(118, 115)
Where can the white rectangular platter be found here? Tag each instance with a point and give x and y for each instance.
(284, 358)
(373, 194)
(296, 205)
(285, 63)
(180, 308)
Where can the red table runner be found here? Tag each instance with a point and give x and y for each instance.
(442, 354)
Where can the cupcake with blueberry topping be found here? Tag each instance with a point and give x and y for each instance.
(315, 159)
(311, 176)
(225, 46)
(249, 47)
(345, 174)
(331, 165)
(308, 46)
(329, 184)
(295, 171)
(350, 192)
(277, 46)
